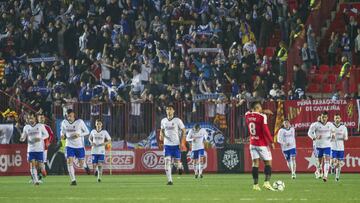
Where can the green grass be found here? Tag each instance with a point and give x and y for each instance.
(152, 188)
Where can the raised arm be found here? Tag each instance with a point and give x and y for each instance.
(189, 136)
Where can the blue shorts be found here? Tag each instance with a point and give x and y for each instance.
(37, 156)
(197, 153)
(98, 158)
(289, 153)
(78, 153)
(172, 151)
(321, 152)
(337, 154)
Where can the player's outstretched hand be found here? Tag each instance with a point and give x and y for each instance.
(268, 111)
(272, 145)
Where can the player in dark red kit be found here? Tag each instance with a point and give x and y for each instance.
(260, 140)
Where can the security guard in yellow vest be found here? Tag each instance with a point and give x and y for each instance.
(282, 56)
(344, 74)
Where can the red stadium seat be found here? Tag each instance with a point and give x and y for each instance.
(353, 88)
(339, 86)
(327, 88)
(331, 79)
(317, 78)
(324, 69)
(270, 51)
(336, 69)
(313, 88)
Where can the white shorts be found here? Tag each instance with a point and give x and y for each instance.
(262, 152)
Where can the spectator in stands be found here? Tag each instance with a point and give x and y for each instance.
(345, 46)
(297, 31)
(306, 56)
(136, 119)
(265, 31)
(332, 50)
(312, 44)
(275, 92)
(351, 27)
(259, 88)
(300, 78)
(357, 48)
(144, 46)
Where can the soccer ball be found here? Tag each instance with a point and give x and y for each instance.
(279, 185)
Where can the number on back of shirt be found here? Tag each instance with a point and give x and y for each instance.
(252, 128)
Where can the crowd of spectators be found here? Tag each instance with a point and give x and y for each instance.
(146, 50)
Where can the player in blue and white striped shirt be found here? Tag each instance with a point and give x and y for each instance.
(74, 131)
(174, 134)
(286, 138)
(35, 133)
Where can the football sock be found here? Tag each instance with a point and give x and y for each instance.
(288, 164)
(168, 169)
(338, 170)
(318, 167)
(34, 174)
(267, 172)
(326, 168)
(255, 174)
(43, 169)
(71, 172)
(100, 170)
(292, 166)
(200, 168)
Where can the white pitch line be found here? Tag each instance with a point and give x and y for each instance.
(142, 199)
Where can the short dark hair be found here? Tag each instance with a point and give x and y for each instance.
(337, 114)
(254, 103)
(98, 120)
(170, 105)
(69, 111)
(32, 114)
(39, 114)
(325, 113)
(197, 126)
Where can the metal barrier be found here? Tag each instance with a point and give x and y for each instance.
(135, 121)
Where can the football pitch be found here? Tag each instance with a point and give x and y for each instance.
(153, 188)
